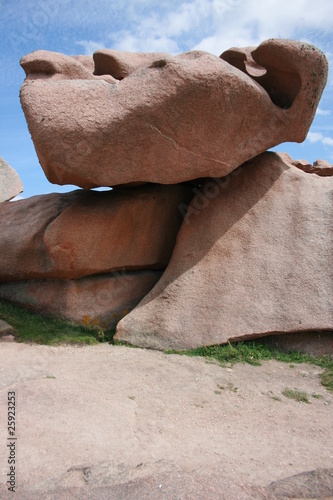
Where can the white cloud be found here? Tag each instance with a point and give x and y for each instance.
(90, 46)
(126, 41)
(253, 21)
(213, 25)
(314, 137)
(323, 112)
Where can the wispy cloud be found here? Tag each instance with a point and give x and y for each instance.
(212, 25)
(314, 137)
(89, 46)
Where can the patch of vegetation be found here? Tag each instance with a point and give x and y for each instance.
(253, 352)
(272, 395)
(32, 327)
(230, 353)
(296, 395)
(327, 379)
(317, 396)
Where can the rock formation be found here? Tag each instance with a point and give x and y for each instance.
(319, 167)
(117, 242)
(205, 237)
(10, 182)
(254, 260)
(95, 300)
(83, 233)
(167, 119)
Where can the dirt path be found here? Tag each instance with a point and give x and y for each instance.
(95, 418)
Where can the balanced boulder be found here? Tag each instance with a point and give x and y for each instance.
(167, 119)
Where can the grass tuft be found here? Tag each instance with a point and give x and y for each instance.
(300, 396)
(327, 379)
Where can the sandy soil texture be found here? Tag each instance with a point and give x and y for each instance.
(114, 422)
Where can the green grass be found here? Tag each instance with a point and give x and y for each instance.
(300, 396)
(254, 352)
(32, 327)
(327, 379)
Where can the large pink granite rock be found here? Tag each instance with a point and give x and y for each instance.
(10, 182)
(83, 233)
(253, 257)
(96, 300)
(167, 119)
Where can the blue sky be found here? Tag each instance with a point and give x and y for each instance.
(82, 26)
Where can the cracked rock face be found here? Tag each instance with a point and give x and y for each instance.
(123, 118)
(252, 258)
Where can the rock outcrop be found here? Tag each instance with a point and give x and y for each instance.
(319, 167)
(317, 483)
(95, 300)
(205, 237)
(167, 119)
(10, 182)
(253, 257)
(88, 256)
(77, 234)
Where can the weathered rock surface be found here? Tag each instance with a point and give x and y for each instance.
(253, 257)
(10, 182)
(167, 119)
(317, 484)
(83, 233)
(319, 167)
(97, 300)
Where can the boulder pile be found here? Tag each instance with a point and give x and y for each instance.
(205, 237)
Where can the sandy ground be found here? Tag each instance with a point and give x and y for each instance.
(98, 420)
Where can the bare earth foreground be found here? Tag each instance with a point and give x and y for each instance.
(120, 423)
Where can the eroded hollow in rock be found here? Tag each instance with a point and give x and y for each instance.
(281, 82)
